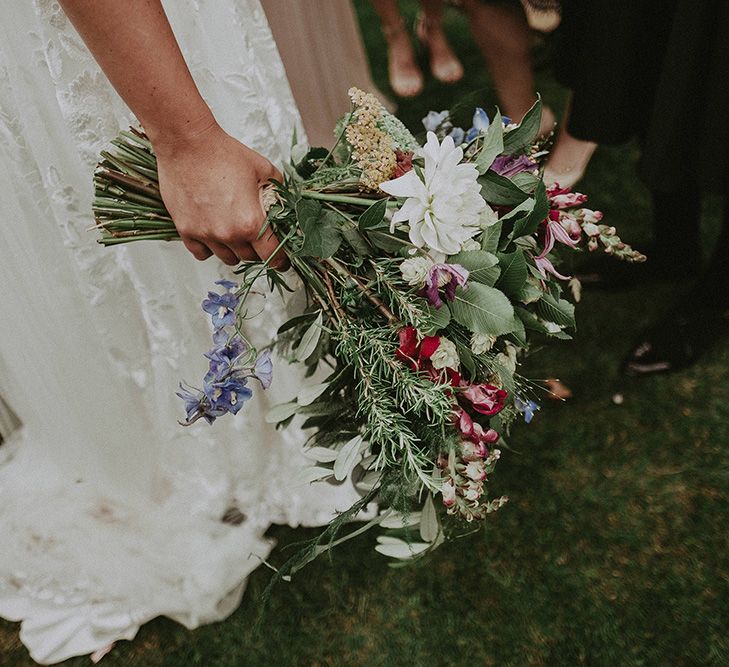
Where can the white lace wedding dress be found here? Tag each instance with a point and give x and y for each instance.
(111, 513)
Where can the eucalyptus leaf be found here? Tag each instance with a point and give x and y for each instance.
(483, 309)
(281, 412)
(309, 394)
(321, 454)
(295, 321)
(429, 526)
(397, 520)
(493, 144)
(311, 474)
(310, 339)
(374, 215)
(348, 457)
(397, 548)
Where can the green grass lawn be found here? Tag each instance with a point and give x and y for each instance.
(612, 551)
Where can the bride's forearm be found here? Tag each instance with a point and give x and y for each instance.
(133, 43)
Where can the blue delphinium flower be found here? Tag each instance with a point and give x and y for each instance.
(479, 125)
(526, 407)
(221, 307)
(223, 359)
(194, 403)
(230, 363)
(263, 369)
(434, 120)
(228, 395)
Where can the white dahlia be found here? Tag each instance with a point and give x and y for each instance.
(443, 210)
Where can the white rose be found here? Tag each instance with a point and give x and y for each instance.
(446, 356)
(482, 343)
(415, 270)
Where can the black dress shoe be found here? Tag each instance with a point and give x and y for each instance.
(676, 342)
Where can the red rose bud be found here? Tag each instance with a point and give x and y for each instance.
(485, 398)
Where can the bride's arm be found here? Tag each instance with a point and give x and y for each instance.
(209, 181)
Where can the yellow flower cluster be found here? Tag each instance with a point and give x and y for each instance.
(371, 147)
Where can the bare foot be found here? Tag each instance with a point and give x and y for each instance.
(548, 122)
(444, 64)
(406, 79)
(568, 160)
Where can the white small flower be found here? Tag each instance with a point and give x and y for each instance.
(475, 471)
(415, 270)
(470, 245)
(473, 491)
(448, 491)
(591, 229)
(488, 217)
(551, 327)
(507, 358)
(446, 356)
(493, 457)
(443, 210)
(482, 343)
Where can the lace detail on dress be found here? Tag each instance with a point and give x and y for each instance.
(110, 513)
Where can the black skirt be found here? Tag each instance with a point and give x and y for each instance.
(658, 71)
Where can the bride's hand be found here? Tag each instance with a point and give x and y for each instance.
(211, 183)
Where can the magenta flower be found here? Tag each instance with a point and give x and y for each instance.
(511, 165)
(564, 197)
(544, 266)
(485, 398)
(446, 277)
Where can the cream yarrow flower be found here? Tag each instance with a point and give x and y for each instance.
(446, 356)
(443, 207)
(371, 147)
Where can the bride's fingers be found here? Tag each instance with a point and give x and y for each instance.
(224, 253)
(266, 246)
(199, 250)
(244, 252)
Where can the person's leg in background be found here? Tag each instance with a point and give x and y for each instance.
(700, 316)
(501, 32)
(444, 64)
(406, 78)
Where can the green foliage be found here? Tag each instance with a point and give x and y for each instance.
(522, 137)
(483, 310)
(513, 273)
(500, 191)
(492, 144)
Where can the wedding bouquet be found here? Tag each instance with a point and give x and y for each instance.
(427, 271)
